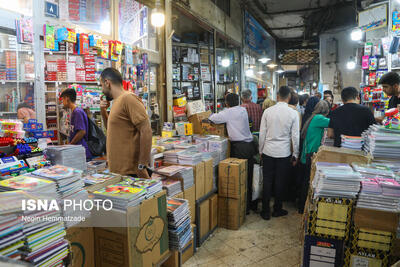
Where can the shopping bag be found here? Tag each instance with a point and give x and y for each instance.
(257, 182)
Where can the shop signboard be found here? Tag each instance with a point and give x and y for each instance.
(51, 9)
(257, 38)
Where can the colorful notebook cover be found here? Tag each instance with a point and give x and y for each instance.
(27, 183)
(121, 191)
(56, 172)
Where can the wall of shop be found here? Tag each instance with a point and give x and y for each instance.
(345, 49)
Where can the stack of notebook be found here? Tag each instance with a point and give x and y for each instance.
(382, 143)
(11, 225)
(33, 185)
(172, 186)
(179, 228)
(121, 195)
(189, 157)
(186, 176)
(152, 186)
(70, 187)
(352, 142)
(96, 178)
(336, 180)
(73, 156)
(172, 156)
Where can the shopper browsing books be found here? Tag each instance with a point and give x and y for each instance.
(312, 134)
(242, 146)
(128, 128)
(279, 133)
(79, 121)
(390, 83)
(351, 119)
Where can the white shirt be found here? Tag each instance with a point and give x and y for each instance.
(237, 123)
(279, 130)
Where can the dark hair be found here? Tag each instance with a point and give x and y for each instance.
(232, 100)
(111, 74)
(303, 98)
(23, 105)
(329, 92)
(349, 93)
(284, 92)
(390, 78)
(70, 93)
(294, 98)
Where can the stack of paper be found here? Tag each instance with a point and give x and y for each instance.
(373, 170)
(73, 156)
(189, 157)
(372, 197)
(11, 225)
(172, 156)
(185, 146)
(96, 178)
(186, 176)
(95, 166)
(70, 187)
(352, 142)
(121, 195)
(172, 186)
(170, 170)
(382, 143)
(179, 228)
(390, 187)
(152, 186)
(336, 180)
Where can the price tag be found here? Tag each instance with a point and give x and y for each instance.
(360, 262)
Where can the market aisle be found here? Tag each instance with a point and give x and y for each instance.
(274, 243)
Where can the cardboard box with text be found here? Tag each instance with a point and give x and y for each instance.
(232, 177)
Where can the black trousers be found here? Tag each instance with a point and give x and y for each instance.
(244, 150)
(305, 182)
(275, 173)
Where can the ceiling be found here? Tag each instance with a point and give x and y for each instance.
(297, 24)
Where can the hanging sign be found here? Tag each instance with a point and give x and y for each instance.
(373, 18)
(257, 38)
(51, 9)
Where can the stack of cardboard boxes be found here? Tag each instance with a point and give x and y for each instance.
(232, 193)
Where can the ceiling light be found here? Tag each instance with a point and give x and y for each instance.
(356, 34)
(225, 62)
(261, 72)
(264, 60)
(314, 84)
(280, 71)
(351, 64)
(272, 65)
(157, 17)
(249, 72)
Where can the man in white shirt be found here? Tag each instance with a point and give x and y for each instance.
(279, 146)
(242, 145)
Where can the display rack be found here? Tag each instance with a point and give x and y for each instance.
(16, 75)
(193, 72)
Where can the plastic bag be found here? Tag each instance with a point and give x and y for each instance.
(257, 182)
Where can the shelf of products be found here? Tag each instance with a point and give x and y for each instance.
(16, 75)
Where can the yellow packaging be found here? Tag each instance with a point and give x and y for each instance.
(180, 102)
(166, 134)
(188, 129)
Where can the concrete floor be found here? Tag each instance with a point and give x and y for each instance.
(274, 243)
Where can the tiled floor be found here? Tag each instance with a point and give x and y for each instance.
(274, 243)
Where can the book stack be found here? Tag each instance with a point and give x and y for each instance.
(45, 244)
(73, 156)
(96, 178)
(95, 166)
(179, 228)
(373, 170)
(31, 185)
(152, 186)
(185, 146)
(170, 170)
(372, 197)
(390, 187)
(11, 234)
(121, 195)
(172, 186)
(186, 176)
(382, 143)
(326, 141)
(172, 156)
(352, 142)
(219, 144)
(69, 187)
(189, 157)
(336, 180)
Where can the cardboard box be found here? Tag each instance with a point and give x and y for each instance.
(178, 258)
(214, 129)
(374, 219)
(396, 248)
(195, 107)
(199, 180)
(213, 211)
(231, 212)
(368, 239)
(197, 119)
(319, 250)
(82, 246)
(208, 176)
(143, 243)
(204, 218)
(232, 178)
(179, 195)
(190, 195)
